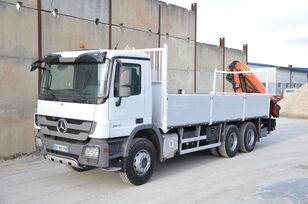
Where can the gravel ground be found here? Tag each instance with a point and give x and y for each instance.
(275, 172)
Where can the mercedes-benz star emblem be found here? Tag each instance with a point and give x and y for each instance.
(62, 125)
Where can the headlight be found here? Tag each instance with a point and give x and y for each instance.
(91, 152)
(38, 142)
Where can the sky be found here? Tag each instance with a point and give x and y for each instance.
(276, 31)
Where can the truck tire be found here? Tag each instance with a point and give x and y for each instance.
(230, 145)
(138, 167)
(247, 137)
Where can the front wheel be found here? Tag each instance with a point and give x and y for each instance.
(139, 165)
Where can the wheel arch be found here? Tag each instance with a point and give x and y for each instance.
(149, 132)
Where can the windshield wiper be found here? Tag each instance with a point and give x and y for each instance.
(80, 98)
(50, 96)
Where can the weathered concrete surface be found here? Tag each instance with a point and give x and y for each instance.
(89, 10)
(128, 38)
(177, 21)
(18, 87)
(65, 33)
(275, 172)
(209, 58)
(141, 15)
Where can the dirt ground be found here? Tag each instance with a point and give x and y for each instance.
(275, 172)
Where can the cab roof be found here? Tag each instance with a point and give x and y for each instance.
(109, 53)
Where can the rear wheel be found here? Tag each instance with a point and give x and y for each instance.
(247, 137)
(230, 145)
(139, 165)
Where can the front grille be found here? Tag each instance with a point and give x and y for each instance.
(69, 120)
(74, 129)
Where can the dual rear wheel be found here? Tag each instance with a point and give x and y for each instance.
(237, 139)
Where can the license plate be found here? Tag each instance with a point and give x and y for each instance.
(61, 148)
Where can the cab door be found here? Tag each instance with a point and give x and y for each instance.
(129, 112)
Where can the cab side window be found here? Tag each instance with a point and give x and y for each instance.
(136, 79)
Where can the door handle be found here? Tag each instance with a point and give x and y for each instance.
(139, 120)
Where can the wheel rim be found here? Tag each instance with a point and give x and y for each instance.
(142, 162)
(250, 137)
(232, 141)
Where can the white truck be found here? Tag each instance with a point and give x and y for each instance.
(110, 109)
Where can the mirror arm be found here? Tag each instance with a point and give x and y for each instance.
(118, 102)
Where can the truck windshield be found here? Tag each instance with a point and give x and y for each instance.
(75, 82)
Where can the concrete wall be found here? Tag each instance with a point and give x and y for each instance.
(135, 23)
(18, 87)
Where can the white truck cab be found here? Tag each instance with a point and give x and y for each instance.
(110, 109)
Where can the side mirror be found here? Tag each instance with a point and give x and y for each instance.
(125, 81)
(36, 65)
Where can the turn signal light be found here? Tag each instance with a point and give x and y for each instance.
(82, 45)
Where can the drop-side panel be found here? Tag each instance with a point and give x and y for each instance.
(227, 107)
(191, 109)
(188, 109)
(257, 106)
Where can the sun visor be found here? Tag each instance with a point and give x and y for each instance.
(88, 57)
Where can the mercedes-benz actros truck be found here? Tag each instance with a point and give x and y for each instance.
(110, 109)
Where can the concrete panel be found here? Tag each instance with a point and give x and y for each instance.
(76, 8)
(209, 58)
(18, 89)
(136, 14)
(180, 53)
(66, 33)
(27, 3)
(177, 21)
(18, 36)
(123, 38)
(180, 79)
(204, 81)
(234, 54)
(18, 86)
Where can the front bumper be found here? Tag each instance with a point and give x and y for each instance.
(74, 156)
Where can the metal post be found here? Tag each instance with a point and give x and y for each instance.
(110, 24)
(159, 24)
(39, 34)
(194, 8)
(214, 81)
(222, 45)
(245, 50)
(266, 90)
(164, 84)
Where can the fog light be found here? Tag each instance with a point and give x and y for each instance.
(91, 152)
(38, 142)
